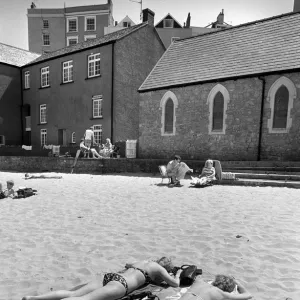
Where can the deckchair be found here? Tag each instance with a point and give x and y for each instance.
(163, 173)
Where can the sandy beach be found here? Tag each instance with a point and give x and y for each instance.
(81, 226)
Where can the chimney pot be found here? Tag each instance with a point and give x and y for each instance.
(148, 16)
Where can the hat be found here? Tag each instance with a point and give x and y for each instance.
(10, 182)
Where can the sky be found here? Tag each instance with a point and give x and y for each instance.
(13, 13)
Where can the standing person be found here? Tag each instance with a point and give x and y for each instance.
(222, 288)
(117, 285)
(89, 138)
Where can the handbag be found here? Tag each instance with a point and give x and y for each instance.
(188, 275)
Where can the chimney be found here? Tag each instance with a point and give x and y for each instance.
(220, 18)
(296, 5)
(188, 21)
(148, 16)
(32, 6)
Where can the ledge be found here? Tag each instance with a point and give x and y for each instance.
(63, 83)
(88, 78)
(45, 87)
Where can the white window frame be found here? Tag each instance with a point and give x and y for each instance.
(86, 25)
(210, 101)
(92, 61)
(43, 137)
(127, 23)
(73, 138)
(168, 26)
(98, 129)
(68, 27)
(44, 40)
(90, 37)
(97, 100)
(2, 140)
(45, 72)
(45, 21)
(27, 80)
(75, 37)
(168, 95)
(43, 114)
(271, 99)
(68, 67)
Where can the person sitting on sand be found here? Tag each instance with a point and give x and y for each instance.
(117, 285)
(222, 288)
(2, 195)
(9, 192)
(176, 170)
(207, 175)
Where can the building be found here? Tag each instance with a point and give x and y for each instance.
(50, 29)
(237, 101)
(296, 5)
(124, 23)
(11, 125)
(92, 83)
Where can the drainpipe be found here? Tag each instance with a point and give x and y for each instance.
(261, 116)
(112, 93)
(22, 104)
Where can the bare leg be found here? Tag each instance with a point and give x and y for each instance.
(62, 294)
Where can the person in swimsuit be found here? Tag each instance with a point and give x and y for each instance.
(220, 289)
(117, 285)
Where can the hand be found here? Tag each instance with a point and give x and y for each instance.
(179, 272)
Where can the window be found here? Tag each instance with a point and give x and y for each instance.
(168, 23)
(2, 140)
(72, 40)
(45, 77)
(126, 24)
(281, 97)
(98, 134)
(168, 105)
(94, 65)
(218, 112)
(46, 39)
(43, 137)
(27, 80)
(174, 38)
(68, 71)
(45, 24)
(89, 37)
(90, 23)
(218, 100)
(73, 138)
(97, 106)
(72, 25)
(43, 114)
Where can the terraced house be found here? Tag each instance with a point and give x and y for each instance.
(231, 94)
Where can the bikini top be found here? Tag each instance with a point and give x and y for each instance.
(146, 275)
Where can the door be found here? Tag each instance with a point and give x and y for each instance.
(62, 137)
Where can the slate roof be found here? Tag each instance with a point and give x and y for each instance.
(259, 47)
(15, 56)
(106, 39)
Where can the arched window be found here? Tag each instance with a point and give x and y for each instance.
(217, 100)
(168, 105)
(281, 105)
(218, 112)
(281, 98)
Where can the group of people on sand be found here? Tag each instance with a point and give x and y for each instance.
(9, 192)
(176, 170)
(117, 285)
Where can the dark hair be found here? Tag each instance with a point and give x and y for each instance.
(224, 283)
(177, 157)
(166, 263)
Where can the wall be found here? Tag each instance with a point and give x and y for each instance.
(69, 106)
(296, 5)
(135, 56)
(10, 104)
(192, 140)
(166, 34)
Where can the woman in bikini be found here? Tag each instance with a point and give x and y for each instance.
(222, 288)
(117, 285)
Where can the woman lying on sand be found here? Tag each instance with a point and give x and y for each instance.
(220, 289)
(117, 285)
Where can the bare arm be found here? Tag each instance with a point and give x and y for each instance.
(170, 280)
(243, 294)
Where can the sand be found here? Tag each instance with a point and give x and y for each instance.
(81, 226)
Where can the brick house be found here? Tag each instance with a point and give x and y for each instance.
(93, 83)
(229, 95)
(11, 125)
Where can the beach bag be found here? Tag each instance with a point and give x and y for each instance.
(140, 296)
(188, 275)
(2, 195)
(25, 192)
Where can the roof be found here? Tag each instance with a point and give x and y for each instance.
(15, 56)
(165, 17)
(260, 47)
(106, 39)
